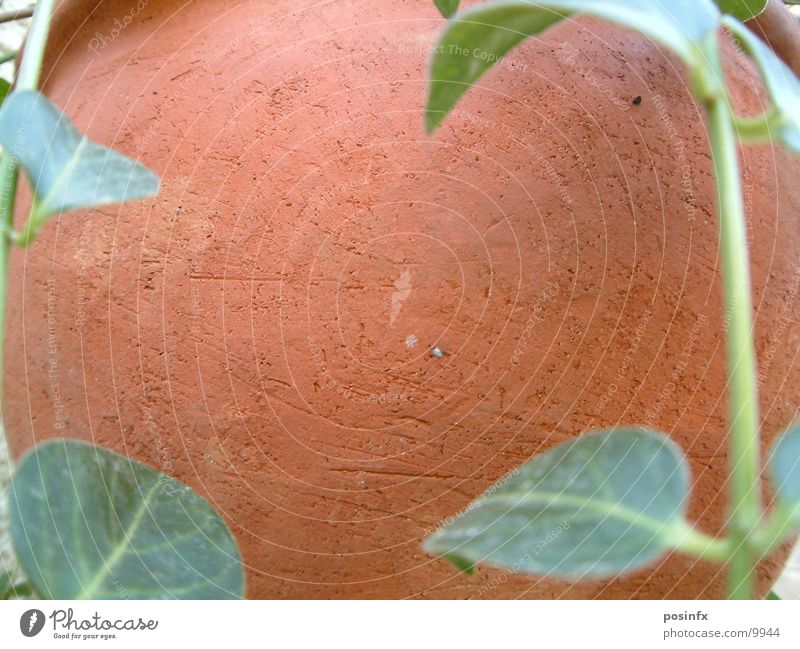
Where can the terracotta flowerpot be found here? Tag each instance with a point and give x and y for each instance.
(263, 329)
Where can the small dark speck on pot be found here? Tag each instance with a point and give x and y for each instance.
(637, 100)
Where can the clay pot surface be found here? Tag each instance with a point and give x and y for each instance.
(263, 329)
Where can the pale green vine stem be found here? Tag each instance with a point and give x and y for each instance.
(692, 541)
(757, 129)
(774, 531)
(743, 445)
(8, 190)
(30, 67)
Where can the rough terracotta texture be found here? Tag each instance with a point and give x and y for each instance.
(262, 330)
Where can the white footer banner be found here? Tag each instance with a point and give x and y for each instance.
(404, 624)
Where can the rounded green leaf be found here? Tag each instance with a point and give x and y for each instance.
(447, 7)
(742, 9)
(782, 86)
(67, 170)
(785, 467)
(91, 524)
(601, 505)
(478, 38)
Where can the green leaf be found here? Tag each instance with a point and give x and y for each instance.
(772, 595)
(11, 590)
(447, 7)
(90, 524)
(5, 88)
(67, 170)
(785, 467)
(478, 38)
(465, 566)
(603, 504)
(742, 9)
(781, 83)
(8, 589)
